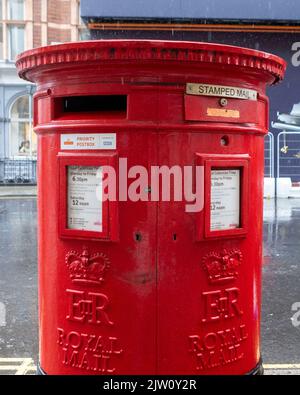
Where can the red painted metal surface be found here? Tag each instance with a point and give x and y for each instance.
(157, 291)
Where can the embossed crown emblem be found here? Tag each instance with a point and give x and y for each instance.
(222, 267)
(87, 268)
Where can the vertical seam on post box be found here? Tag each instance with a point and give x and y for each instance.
(157, 261)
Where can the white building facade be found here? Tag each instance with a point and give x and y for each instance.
(25, 24)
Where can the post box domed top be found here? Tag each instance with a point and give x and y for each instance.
(33, 63)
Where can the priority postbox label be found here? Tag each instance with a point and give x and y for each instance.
(221, 91)
(88, 141)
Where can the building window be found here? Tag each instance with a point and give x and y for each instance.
(1, 41)
(22, 138)
(16, 40)
(1, 30)
(12, 13)
(84, 34)
(15, 10)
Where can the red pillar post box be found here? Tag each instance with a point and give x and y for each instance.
(143, 282)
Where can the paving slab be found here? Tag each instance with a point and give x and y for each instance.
(17, 190)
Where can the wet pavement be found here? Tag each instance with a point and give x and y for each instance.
(18, 278)
(281, 281)
(18, 286)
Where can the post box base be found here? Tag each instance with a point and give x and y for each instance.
(257, 371)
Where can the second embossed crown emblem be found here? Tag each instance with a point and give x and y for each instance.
(222, 267)
(87, 268)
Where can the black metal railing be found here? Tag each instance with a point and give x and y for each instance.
(17, 171)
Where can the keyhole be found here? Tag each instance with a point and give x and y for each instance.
(224, 141)
(138, 237)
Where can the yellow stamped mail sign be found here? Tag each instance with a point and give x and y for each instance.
(221, 91)
(222, 112)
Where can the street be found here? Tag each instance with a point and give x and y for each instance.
(18, 282)
(281, 276)
(18, 286)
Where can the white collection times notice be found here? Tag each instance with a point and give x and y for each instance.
(84, 198)
(225, 199)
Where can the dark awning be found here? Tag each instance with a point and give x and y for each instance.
(278, 11)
